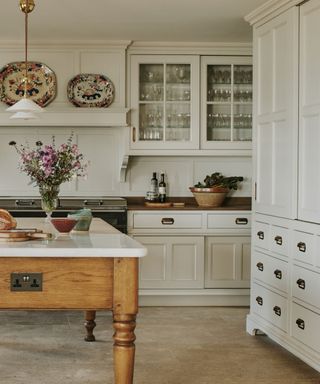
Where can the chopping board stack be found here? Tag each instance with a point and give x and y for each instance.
(23, 234)
(9, 232)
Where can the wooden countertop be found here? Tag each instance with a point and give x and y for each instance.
(230, 204)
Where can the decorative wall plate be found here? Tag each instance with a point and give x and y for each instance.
(90, 90)
(42, 83)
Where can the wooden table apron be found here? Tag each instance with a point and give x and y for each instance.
(83, 283)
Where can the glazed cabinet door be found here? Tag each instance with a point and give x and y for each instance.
(164, 102)
(309, 128)
(275, 137)
(226, 102)
(172, 262)
(227, 262)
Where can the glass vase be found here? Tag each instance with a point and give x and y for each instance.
(49, 198)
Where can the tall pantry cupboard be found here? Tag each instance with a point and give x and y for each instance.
(285, 269)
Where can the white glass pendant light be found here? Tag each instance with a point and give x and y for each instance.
(25, 108)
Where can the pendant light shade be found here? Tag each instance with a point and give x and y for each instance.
(25, 108)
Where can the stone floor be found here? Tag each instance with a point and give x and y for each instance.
(206, 345)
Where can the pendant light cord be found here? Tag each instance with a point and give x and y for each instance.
(26, 49)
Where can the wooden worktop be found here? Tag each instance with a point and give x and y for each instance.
(230, 204)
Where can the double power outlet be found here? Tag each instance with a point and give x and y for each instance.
(26, 282)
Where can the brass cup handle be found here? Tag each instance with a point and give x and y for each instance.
(278, 240)
(277, 310)
(278, 274)
(302, 246)
(301, 283)
(300, 323)
(259, 300)
(260, 234)
(260, 266)
(167, 221)
(241, 221)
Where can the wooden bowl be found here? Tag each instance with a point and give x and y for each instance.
(209, 197)
(63, 224)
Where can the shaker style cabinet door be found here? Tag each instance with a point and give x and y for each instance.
(227, 262)
(164, 102)
(309, 125)
(275, 138)
(226, 102)
(172, 262)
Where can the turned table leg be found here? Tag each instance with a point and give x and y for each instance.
(124, 348)
(90, 325)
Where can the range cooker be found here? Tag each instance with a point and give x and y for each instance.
(113, 210)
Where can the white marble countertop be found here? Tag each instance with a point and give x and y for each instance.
(101, 241)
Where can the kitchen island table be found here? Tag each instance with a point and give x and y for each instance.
(95, 270)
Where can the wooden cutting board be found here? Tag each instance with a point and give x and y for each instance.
(157, 205)
(13, 235)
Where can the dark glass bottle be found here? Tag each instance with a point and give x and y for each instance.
(162, 189)
(154, 189)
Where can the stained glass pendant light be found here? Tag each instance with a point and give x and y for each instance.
(25, 108)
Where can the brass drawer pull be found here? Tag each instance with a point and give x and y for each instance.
(278, 274)
(167, 221)
(301, 283)
(277, 310)
(260, 266)
(260, 234)
(278, 240)
(259, 300)
(300, 323)
(241, 221)
(302, 246)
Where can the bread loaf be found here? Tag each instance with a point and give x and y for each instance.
(6, 220)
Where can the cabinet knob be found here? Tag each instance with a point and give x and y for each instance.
(167, 220)
(277, 310)
(300, 323)
(134, 134)
(241, 221)
(260, 234)
(302, 246)
(278, 274)
(260, 266)
(301, 283)
(278, 240)
(259, 300)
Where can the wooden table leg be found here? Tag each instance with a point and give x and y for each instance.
(90, 325)
(125, 308)
(124, 348)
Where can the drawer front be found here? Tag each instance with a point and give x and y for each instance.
(260, 235)
(303, 247)
(270, 270)
(167, 220)
(269, 305)
(305, 326)
(306, 285)
(279, 240)
(241, 221)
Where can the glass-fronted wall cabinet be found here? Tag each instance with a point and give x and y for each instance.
(165, 102)
(226, 102)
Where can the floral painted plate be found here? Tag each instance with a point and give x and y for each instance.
(90, 90)
(42, 83)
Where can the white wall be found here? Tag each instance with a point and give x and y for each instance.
(184, 172)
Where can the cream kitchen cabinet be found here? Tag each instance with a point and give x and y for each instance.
(227, 262)
(286, 232)
(164, 102)
(226, 102)
(173, 262)
(194, 257)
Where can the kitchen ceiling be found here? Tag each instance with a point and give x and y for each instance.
(138, 20)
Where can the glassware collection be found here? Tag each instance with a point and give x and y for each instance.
(229, 102)
(164, 102)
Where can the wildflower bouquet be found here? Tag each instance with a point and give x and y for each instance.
(49, 166)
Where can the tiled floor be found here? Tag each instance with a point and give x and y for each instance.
(206, 345)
